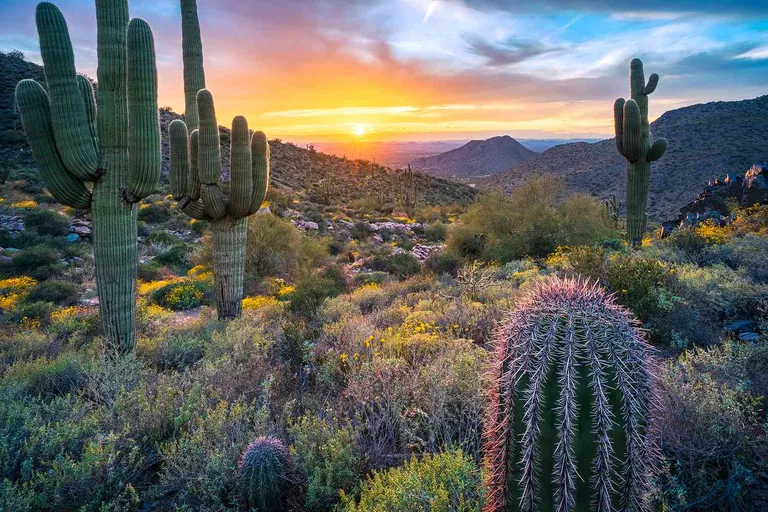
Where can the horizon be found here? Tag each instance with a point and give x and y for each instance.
(346, 71)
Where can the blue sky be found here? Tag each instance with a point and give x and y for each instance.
(423, 69)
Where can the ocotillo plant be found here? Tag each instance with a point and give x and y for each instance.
(408, 192)
(611, 210)
(569, 405)
(115, 146)
(196, 184)
(267, 477)
(635, 143)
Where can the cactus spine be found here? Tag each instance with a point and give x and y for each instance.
(635, 143)
(113, 142)
(569, 405)
(267, 476)
(196, 179)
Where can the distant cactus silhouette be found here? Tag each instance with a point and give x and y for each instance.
(569, 405)
(409, 191)
(115, 146)
(611, 211)
(267, 476)
(196, 178)
(635, 143)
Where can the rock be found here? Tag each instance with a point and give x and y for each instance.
(755, 186)
(749, 336)
(81, 227)
(5, 259)
(399, 250)
(12, 223)
(347, 224)
(305, 225)
(422, 252)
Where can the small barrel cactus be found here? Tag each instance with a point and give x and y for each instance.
(569, 405)
(267, 476)
(635, 143)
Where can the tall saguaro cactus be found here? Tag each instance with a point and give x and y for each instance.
(196, 177)
(635, 143)
(569, 404)
(102, 155)
(196, 184)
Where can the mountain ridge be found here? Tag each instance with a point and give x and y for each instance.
(706, 141)
(475, 158)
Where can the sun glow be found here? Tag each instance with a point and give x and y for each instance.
(359, 130)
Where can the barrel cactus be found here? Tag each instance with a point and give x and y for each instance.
(267, 477)
(196, 178)
(112, 142)
(569, 404)
(635, 143)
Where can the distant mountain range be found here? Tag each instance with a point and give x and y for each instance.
(475, 158)
(706, 141)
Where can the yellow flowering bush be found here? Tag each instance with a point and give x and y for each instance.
(251, 303)
(25, 204)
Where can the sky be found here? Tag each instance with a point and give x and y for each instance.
(343, 70)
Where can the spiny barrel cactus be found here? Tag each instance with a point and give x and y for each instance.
(635, 143)
(267, 476)
(196, 178)
(113, 142)
(569, 404)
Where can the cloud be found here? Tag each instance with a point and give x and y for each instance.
(732, 7)
(505, 53)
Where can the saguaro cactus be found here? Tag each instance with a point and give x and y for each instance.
(196, 179)
(635, 143)
(115, 146)
(611, 210)
(569, 405)
(409, 190)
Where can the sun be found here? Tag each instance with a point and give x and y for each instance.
(359, 130)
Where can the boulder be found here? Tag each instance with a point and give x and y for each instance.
(755, 190)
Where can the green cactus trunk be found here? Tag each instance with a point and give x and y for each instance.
(116, 146)
(638, 178)
(229, 242)
(569, 405)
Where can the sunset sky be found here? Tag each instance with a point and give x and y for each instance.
(325, 70)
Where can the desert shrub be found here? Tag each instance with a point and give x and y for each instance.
(62, 293)
(401, 265)
(443, 262)
(175, 350)
(181, 295)
(326, 455)
(443, 482)
(589, 262)
(365, 278)
(149, 271)
(750, 255)
(435, 232)
(12, 137)
(637, 282)
(33, 314)
(39, 261)
(154, 213)
(719, 291)
(200, 471)
(360, 231)
(711, 434)
(42, 376)
(176, 256)
(46, 222)
(27, 180)
(276, 248)
(309, 293)
(581, 221)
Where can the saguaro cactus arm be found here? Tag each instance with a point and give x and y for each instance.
(144, 159)
(36, 118)
(260, 167)
(209, 157)
(192, 48)
(241, 172)
(183, 170)
(68, 113)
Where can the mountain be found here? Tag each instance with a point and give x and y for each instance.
(291, 166)
(475, 158)
(705, 141)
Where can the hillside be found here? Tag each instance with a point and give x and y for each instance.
(291, 166)
(475, 158)
(705, 142)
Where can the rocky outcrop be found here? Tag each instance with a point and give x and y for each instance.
(714, 204)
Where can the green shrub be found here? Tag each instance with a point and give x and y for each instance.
(401, 265)
(176, 256)
(443, 263)
(310, 292)
(163, 238)
(46, 222)
(152, 271)
(62, 293)
(27, 180)
(154, 213)
(176, 350)
(12, 137)
(38, 261)
(47, 377)
(181, 295)
(448, 481)
(750, 255)
(435, 232)
(326, 455)
(34, 311)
